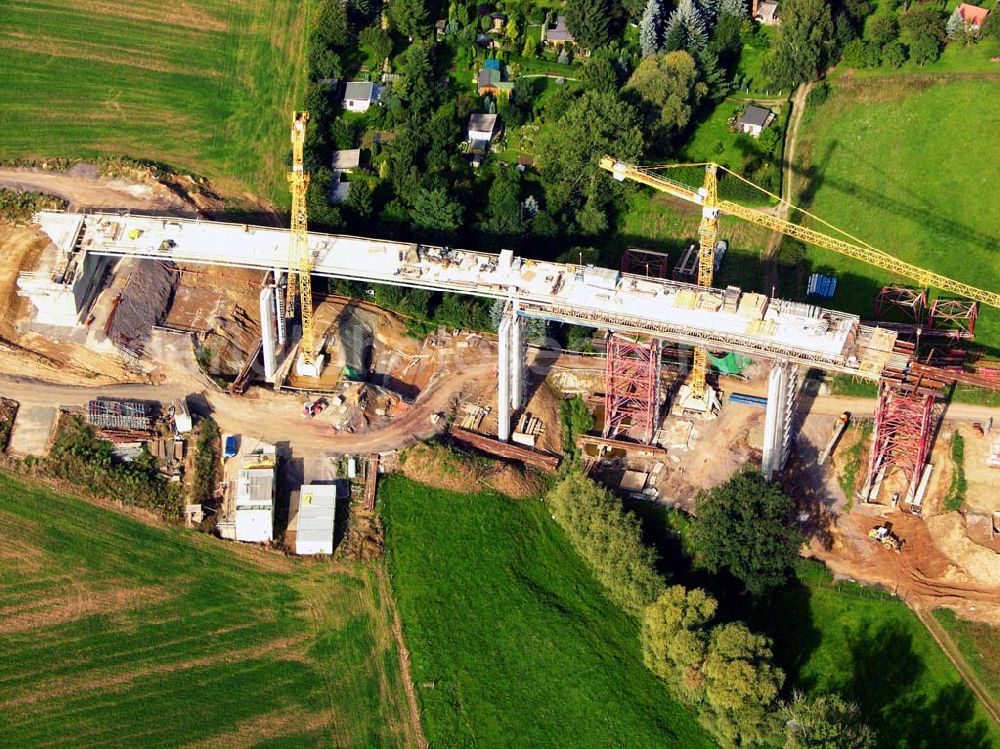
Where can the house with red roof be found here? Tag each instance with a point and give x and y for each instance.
(972, 15)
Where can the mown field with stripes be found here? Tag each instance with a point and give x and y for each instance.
(116, 632)
(203, 85)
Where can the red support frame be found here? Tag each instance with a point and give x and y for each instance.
(645, 263)
(902, 438)
(632, 388)
(957, 316)
(910, 302)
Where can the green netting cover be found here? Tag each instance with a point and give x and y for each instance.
(730, 363)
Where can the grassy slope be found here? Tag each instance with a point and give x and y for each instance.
(513, 642)
(844, 637)
(208, 643)
(206, 86)
(890, 164)
(979, 644)
(870, 647)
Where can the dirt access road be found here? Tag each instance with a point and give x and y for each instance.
(82, 188)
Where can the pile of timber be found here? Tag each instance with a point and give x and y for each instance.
(630, 448)
(491, 446)
(371, 480)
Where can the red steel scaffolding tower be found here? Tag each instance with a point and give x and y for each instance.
(632, 385)
(903, 425)
(645, 263)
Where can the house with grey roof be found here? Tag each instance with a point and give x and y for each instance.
(359, 95)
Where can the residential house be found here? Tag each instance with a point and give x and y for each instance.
(765, 12)
(482, 127)
(973, 16)
(754, 119)
(360, 95)
(557, 36)
(482, 130)
(347, 160)
(490, 80)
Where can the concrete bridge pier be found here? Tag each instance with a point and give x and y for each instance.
(782, 391)
(510, 369)
(267, 321)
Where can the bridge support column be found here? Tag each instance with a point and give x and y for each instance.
(782, 390)
(267, 320)
(510, 369)
(279, 307)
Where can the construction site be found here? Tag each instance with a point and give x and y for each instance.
(133, 319)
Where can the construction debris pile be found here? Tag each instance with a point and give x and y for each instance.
(142, 303)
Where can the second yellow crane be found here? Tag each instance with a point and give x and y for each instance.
(299, 256)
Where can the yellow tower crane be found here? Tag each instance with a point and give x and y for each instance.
(299, 257)
(708, 198)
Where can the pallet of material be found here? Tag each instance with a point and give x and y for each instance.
(492, 446)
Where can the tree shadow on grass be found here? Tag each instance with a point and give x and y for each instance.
(883, 675)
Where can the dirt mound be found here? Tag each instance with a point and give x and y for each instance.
(443, 468)
(979, 564)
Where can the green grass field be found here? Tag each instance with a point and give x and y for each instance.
(205, 86)
(118, 633)
(513, 642)
(906, 163)
(979, 644)
(840, 636)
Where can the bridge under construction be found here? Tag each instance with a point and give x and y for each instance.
(639, 311)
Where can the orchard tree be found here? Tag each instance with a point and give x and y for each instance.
(743, 526)
(675, 635)
(805, 37)
(741, 686)
(926, 49)
(894, 54)
(882, 29)
(435, 212)
(668, 86)
(596, 123)
(827, 722)
(922, 22)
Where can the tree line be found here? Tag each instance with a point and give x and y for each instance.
(723, 669)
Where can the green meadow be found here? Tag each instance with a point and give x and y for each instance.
(205, 86)
(115, 632)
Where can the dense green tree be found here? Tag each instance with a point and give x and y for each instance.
(669, 89)
(592, 22)
(743, 526)
(417, 87)
(854, 54)
(599, 73)
(413, 302)
(826, 722)
(686, 28)
(595, 124)
(377, 43)
(608, 538)
(504, 215)
(675, 636)
(651, 28)
(802, 48)
(894, 54)
(882, 29)
(741, 687)
(734, 8)
(991, 26)
(633, 9)
(922, 22)
(330, 28)
(926, 49)
(592, 218)
(435, 212)
(360, 199)
(409, 18)
(727, 41)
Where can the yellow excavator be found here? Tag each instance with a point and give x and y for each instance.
(882, 534)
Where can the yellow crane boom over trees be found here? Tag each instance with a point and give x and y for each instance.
(708, 198)
(299, 257)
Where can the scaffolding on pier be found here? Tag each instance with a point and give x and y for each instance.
(632, 388)
(904, 424)
(121, 415)
(909, 302)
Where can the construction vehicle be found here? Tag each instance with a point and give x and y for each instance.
(711, 206)
(882, 534)
(838, 429)
(313, 408)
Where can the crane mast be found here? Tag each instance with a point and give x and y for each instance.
(299, 257)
